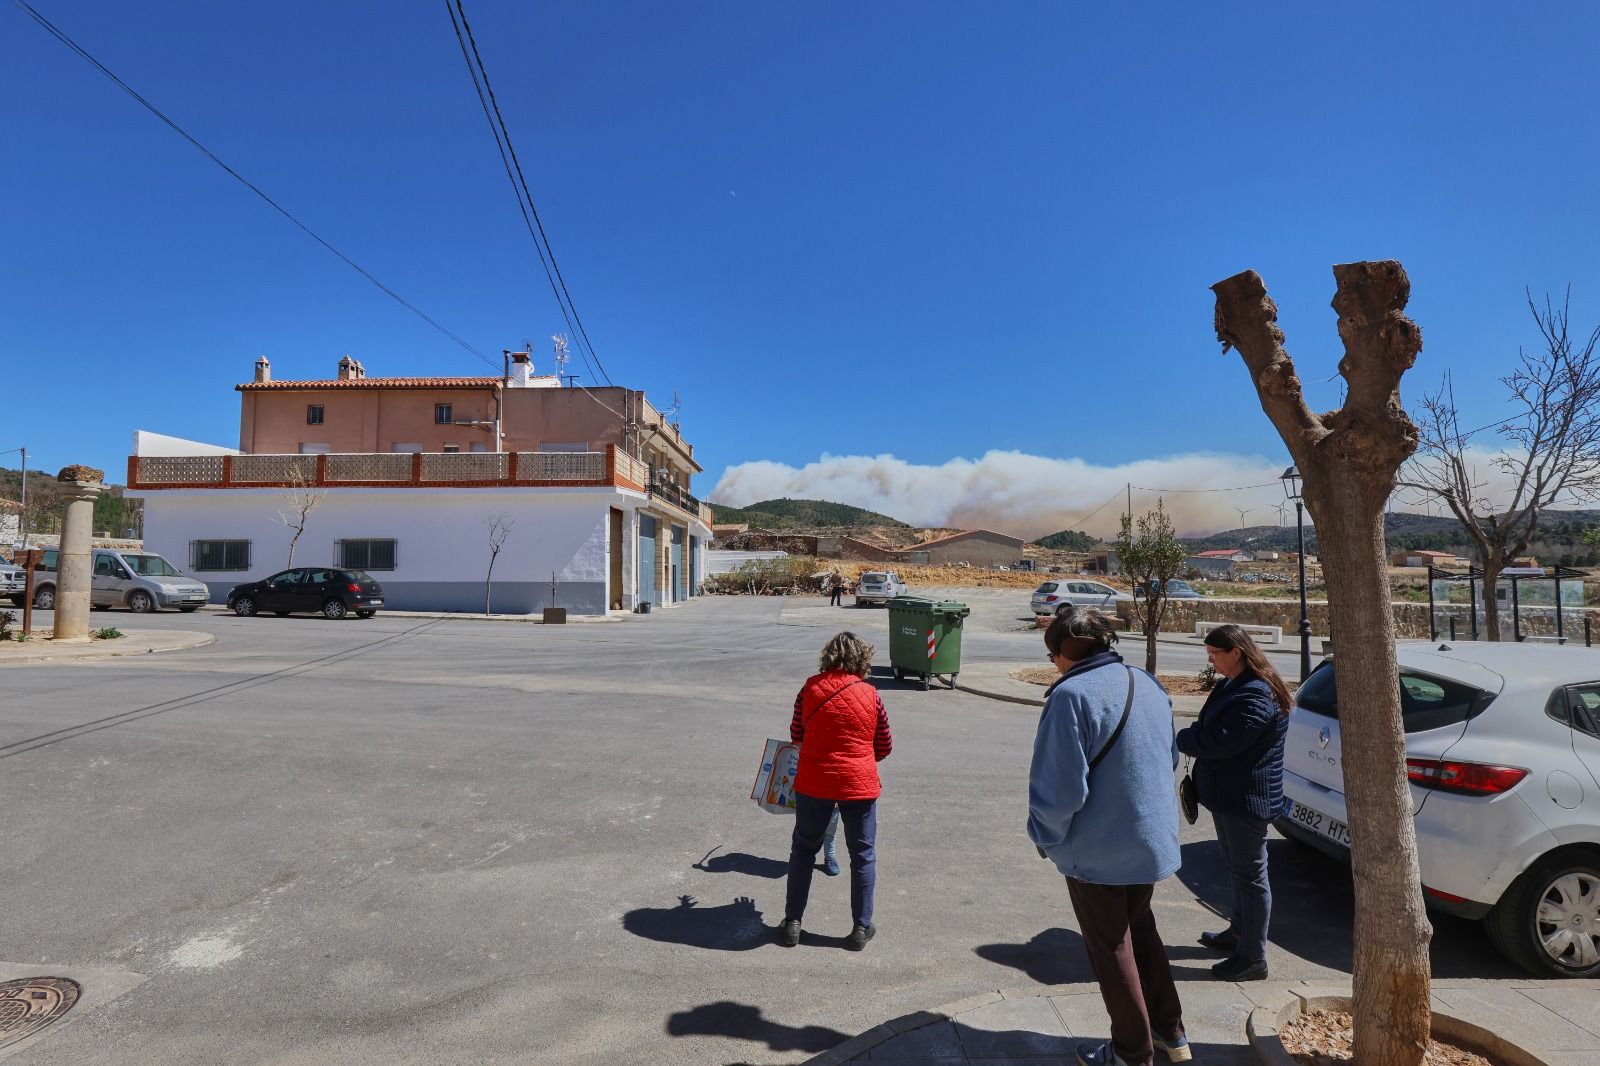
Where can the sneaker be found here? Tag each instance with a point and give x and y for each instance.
(859, 936)
(789, 932)
(830, 865)
(1227, 940)
(1176, 1048)
(1098, 1055)
(1236, 969)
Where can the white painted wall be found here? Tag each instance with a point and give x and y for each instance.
(442, 546)
(147, 443)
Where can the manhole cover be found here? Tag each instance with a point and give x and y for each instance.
(29, 1005)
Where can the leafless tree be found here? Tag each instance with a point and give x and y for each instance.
(300, 497)
(499, 527)
(1548, 449)
(1349, 459)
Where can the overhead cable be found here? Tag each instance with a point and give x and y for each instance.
(519, 185)
(59, 35)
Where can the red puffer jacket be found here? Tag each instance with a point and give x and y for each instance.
(843, 732)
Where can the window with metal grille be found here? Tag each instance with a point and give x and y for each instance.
(367, 554)
(442, 413)
(219, 555)
(313, 414)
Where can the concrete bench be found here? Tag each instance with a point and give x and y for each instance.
(1262, 634)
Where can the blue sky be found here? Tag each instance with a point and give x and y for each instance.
(932, 231)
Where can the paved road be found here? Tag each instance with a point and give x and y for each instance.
(417, 841)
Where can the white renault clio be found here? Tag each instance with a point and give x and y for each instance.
(1503, 753)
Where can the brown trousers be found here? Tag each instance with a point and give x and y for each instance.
(1130, 964)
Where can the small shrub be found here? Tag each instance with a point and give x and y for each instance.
(1208, 678)
(108, 633)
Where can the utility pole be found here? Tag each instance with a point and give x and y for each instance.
(1130, 503)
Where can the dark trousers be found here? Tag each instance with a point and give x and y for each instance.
(1130, 964)
(860, 821)
(1244, 846)
(836, 598)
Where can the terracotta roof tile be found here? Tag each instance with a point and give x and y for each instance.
(374, 383)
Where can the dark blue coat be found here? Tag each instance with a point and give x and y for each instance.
(1237, 745)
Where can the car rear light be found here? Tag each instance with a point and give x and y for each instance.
(1468, 778)
(353, 588)
(1051, 599)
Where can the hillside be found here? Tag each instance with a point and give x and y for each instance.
(113, 514)
(787, 514)
(1069, 540)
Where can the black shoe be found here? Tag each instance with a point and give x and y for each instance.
(1226, 940)
(859, 936)
(1236, 969)
(789, 932)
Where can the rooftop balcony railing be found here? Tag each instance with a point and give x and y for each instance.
(610, 468)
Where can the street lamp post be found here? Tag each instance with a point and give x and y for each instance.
(1291, 489)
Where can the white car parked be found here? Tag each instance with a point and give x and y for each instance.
(1052, 594)
(879, 586)
(1503, 754)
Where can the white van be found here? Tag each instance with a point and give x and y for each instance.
(140, 581)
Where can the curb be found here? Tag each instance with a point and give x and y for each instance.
(129, 644)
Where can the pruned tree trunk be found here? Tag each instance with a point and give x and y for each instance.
(1348, 460)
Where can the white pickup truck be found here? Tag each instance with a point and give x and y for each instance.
(13, 583)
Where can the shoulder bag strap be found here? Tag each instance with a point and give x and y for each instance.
(1126, 707)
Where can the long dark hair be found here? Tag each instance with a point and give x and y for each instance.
(1233, 638)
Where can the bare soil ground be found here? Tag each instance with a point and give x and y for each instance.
(1323, 1038)
(1177, 684)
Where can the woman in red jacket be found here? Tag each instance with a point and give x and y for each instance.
(843, 732)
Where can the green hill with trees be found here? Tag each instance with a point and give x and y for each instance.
(802, 514)
(1069, 540)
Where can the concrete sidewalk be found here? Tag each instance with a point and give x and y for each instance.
(1559, 1021)
(994, 680)
(39, 648)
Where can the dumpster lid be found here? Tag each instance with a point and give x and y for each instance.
(955, 607)
(913, 603)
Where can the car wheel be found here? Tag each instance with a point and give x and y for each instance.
(141, 602)
(1548, 922)
(365, 614)
(45, 598)
(244, 606)
(334, 609)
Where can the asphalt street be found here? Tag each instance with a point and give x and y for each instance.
(436, 841)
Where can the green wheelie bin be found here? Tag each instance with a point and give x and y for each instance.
(925, 638)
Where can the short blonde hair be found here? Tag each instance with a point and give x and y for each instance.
(849, 653)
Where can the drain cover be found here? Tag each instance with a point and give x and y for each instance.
(29, 1005)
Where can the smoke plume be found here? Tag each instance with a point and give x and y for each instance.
(1024, 495)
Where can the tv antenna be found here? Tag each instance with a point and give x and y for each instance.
(677, 406)
(559, 343)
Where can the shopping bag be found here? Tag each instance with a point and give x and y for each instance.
(774, 787)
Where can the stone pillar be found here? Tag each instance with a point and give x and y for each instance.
(78, 487)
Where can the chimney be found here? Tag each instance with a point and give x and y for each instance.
(347, 369)
(521, 369)
(263, 370)
(361, 370)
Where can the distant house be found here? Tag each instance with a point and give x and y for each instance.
(1232, 555)
(1426, 558)
(975, 547)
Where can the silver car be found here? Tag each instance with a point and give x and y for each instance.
(1052, 594)
(13, 583)
(879, 586)
(140, 581)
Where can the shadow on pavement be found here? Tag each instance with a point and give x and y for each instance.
(744, 1022)
(1053, 957)
(737, 862)
(735, 926)
(1313, 911)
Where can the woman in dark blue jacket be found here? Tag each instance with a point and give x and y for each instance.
(1237, 745)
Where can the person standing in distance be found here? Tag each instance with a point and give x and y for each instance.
(1237, 744)
(1102, 807)
(836, 590)
(843, 732)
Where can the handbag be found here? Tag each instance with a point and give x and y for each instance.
(1188, 795)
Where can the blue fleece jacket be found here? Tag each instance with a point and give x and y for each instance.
(1116, 825)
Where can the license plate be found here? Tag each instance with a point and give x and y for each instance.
(376, 603)
(1320, 823)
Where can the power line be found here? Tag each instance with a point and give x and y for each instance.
(78, 49)
(1097, 510)
(1235, 488)
(519, 183)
